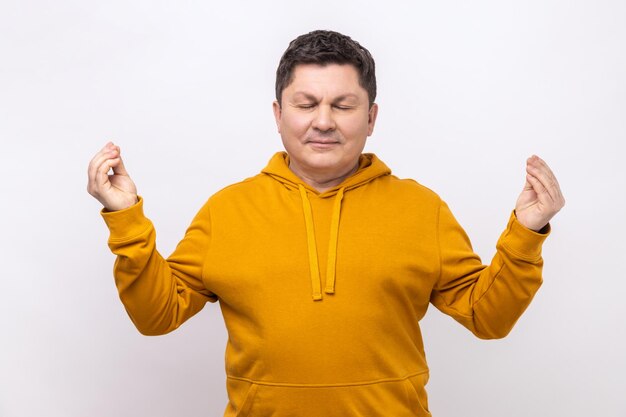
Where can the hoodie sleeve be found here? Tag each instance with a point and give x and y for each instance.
(487, 300)
(158, 294)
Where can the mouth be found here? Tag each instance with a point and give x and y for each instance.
(322, 144)
(322, 140)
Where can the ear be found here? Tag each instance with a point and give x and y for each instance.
(277, 113)
(371, 118)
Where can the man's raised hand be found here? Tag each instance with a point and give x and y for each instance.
(115, 191)
(541, 197)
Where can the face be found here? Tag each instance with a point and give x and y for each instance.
(324, 120)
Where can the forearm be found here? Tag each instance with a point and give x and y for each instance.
(519, 267)
(489, 300)
(158, 295)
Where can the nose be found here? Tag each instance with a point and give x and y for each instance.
(324, 120)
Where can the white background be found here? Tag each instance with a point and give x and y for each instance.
(467, 90)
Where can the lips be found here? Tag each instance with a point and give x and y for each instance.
(323, 142)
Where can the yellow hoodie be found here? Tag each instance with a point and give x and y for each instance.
(322, 293)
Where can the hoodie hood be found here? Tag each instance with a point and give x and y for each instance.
(370, 168)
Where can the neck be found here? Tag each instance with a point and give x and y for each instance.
(322, 182)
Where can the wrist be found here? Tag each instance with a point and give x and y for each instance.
(541, 227)
(119, 205)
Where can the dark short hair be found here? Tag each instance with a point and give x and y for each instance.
(325, 47)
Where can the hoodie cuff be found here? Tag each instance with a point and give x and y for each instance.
(521, 241)
(127, 223)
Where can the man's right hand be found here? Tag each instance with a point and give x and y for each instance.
(115, 191)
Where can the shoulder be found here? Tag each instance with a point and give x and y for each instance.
(248, 188)
(408, 189)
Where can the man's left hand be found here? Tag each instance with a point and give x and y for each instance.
(541, 197)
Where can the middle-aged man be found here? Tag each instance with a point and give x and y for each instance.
(324, 263)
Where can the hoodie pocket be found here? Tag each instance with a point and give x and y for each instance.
(241, 397)
(415, 385)
(402, 397)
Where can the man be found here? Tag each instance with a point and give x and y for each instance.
(324, 263)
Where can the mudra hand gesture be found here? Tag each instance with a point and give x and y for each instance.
(541, 197)
(115, 191)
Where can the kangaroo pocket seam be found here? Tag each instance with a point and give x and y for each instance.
(412, 393)
(246, 405)
(416, 394)
(330, 385)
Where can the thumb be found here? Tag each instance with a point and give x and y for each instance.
(527, 196)
(527, 185)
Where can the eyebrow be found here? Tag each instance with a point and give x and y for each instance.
(312, 97)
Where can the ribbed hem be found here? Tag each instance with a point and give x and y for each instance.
(127, 223)
(522, 241)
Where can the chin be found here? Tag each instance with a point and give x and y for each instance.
(324, 160)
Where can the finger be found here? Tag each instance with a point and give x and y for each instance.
(106, 148)
(101, 180)
(543, 166)
(102, 176)
(544, 172)
(96, 165)
(119, 168)
(540, 170)
(556, 192)
(540, 190)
